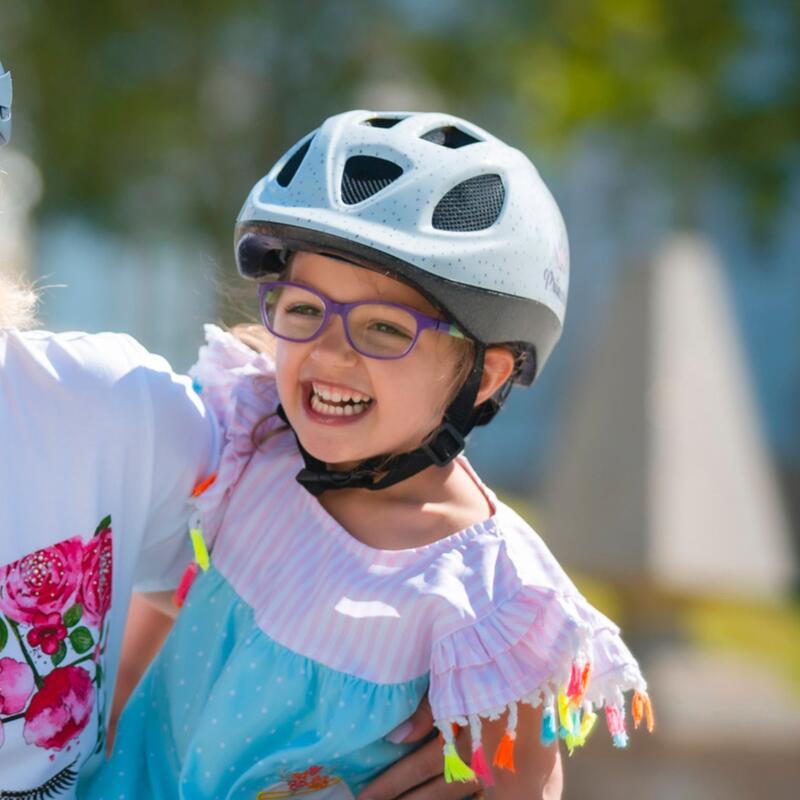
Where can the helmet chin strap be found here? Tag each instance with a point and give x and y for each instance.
(379, 472)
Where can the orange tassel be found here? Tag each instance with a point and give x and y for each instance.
(587, 669)
(648, 713)
(641, 708)
(203, 485)
(504, 755)
(637, 709)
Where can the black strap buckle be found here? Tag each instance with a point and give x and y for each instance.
(445, 446)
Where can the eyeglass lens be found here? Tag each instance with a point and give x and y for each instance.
(375, 329)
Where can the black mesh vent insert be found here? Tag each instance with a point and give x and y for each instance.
(366, 175)
(382, 122)
(473, 205)
(290, 167)
(449, 136)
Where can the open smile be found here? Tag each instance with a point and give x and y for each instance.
(332, 404)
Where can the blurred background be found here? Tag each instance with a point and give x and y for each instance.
(659, 453)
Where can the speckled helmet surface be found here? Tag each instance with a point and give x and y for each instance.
(432, 199)
(5, 105)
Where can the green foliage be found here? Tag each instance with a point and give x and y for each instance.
(153, 116)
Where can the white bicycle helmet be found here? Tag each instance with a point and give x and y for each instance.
(436, 202)
(5, 105)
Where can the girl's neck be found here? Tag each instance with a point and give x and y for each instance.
(422, 509)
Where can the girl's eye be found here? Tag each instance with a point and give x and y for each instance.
(304, 310)
(389, 329)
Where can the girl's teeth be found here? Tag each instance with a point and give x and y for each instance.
(322, 407)
(339, 396)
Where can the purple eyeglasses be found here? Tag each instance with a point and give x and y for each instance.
(299, 313)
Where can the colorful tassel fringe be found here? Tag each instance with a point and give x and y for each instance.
(203, 485)
(481, 767)
(641, 707)
(568, 716)
(549, 733)
(578, 682)
(615, 719)
(187, 580)
(504, 755)
(454, 768)
(200, 551)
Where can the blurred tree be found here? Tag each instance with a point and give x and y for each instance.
(161, 115)
(693, 88)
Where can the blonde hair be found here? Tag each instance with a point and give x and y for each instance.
(17, 303)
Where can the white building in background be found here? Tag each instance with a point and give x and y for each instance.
(663, 474)
(160, 292)
(20, 191)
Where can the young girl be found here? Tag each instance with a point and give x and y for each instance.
(411, 268)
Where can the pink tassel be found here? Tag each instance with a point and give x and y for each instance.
(481, 767)
(574, 687)
(614, 720)
(186, 583)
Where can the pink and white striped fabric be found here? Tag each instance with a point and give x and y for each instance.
(487, 611)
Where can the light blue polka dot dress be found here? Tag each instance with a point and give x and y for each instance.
(225, 712)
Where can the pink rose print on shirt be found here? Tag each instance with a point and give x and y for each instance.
(53, 631)
(16, 685)
(95, 593)
(43, 582)
(47, 633)
(61, 709)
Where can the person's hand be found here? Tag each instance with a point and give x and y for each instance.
(419, 776)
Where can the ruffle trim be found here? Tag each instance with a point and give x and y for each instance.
(542, 648)
(238, 385)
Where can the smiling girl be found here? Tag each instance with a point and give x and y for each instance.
(411, 268)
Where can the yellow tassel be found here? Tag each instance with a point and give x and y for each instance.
(578, 738)
(454, 768)
(564, 717)
(504, 755)
(200, 550)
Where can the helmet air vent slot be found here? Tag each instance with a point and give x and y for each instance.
(382, 122)
(472, 205)
(449, 136)
(291, 166)
(365, 176)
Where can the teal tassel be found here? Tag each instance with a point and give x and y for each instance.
(620, 739)
(548, 735)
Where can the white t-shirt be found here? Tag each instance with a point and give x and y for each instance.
(100, 446)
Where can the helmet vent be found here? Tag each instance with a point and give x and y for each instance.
(365, 176)
(291, 166)
(449, 136)
(472, 205)
(382, 122)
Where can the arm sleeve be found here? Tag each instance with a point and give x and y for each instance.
(542, 643)
(185, 445)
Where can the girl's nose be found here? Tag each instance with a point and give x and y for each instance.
(332, 342)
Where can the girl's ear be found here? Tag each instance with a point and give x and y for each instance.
(498, 364)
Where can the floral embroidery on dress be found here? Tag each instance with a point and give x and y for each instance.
(312, 781)
(53, 607)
